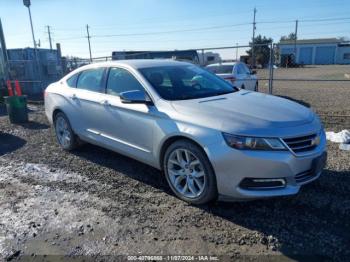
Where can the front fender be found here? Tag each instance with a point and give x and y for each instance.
(168, 131)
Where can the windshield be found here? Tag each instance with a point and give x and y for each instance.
(220, 69)
(185, 82)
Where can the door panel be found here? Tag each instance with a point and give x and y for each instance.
(87, 97)
(93, 110)
(129, 124)
(126, 127)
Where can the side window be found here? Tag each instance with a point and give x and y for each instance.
(91, 79)
(72, 81)
(121, 80)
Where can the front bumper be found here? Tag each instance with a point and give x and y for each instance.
(233, 166)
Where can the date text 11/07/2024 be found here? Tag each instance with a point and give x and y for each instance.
(173, 258)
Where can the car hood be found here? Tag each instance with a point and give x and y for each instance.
(245, 113)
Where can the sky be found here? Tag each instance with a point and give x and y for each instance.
(167, 24)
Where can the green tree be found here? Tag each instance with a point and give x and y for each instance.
(261, 50)
(291, 36)
(344, 38)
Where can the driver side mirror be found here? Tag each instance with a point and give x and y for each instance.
(135, 97)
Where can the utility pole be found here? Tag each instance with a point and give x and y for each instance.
(271, 62)
(88, 37)
(295, 40)
(236, 51)
(49, 33)
(27, 4)
(253, 51)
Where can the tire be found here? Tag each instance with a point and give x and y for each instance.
(64, 133)
(196, 173)
(256, 88)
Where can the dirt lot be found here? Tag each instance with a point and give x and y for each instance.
(95, 202)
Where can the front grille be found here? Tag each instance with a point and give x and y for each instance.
(302, 143)
(304, 177)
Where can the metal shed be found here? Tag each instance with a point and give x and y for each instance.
(324, 51)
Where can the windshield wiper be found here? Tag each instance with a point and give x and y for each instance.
(188, 97)
(224, 93)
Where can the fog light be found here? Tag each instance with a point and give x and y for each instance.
(262, 183)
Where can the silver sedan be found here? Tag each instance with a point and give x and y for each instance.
(212, 140)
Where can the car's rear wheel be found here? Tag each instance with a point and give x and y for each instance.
(189, 173)
(64, 133)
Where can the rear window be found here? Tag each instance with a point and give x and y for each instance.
(221, 69)
(91, 79)
(72, 81)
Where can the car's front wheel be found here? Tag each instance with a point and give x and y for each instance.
(64, 133)
(189, 173)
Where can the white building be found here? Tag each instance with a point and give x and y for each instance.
(317, 51)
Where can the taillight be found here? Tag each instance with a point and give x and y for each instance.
(231, 79)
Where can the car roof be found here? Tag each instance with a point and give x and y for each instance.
(225, 63)
(138, 63)
(131, 64)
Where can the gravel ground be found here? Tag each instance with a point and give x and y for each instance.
(95, 202)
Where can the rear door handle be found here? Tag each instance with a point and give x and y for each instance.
(105, 103)
(74, 97)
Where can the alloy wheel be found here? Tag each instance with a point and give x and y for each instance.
(186, 173)
(63, 132)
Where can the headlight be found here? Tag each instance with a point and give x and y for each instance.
(253, 143)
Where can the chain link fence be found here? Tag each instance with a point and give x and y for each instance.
(325, 88)
(317, 77)
(34, 69)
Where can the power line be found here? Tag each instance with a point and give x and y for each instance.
(172, 31)
(324, 19)
(304, 26)
(158, 32)
(79, 38)
(123, 26)
(307, 22)
(303, 20)
(72, 38)
(275, 22)
(201, 28)
(167, 19)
